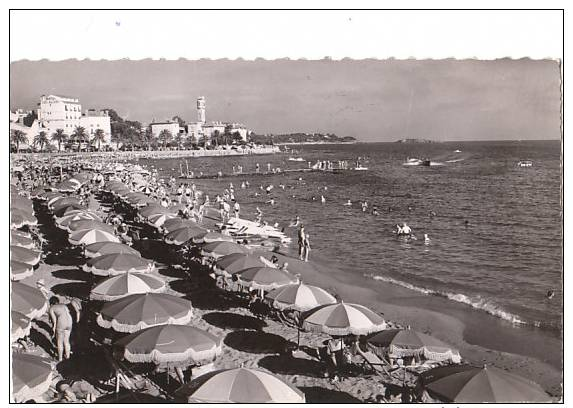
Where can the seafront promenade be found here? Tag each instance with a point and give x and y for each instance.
(156, 154)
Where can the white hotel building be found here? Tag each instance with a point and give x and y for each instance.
(62, 112)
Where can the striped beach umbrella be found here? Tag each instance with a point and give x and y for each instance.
(265, 278)
(126, 284)
(31, 376)
(19, 218)
(79, 225)
(115, 264)
(76, 215)
(87, 237)
(221, 248)
(399, 343)
(104, 248)
(233, 263)
(20, 270)
(299, 297)
(185, 234)
(343, 319)
(170, 343)
(28, 300)
(468, 384)
(57, 203)
(21, 240)
(136, 312)
(20, 326)
(25, 255)
(243, 386)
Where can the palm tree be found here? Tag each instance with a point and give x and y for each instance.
(178, 140)
(165, 137)
(18, 137)
(59, 136)
(99, 136)
(147, 137)
(41, 139)
(80, 136)
(117, 139)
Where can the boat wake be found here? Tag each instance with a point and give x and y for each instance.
(474, 302)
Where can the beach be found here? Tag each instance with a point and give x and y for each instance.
(251, 341)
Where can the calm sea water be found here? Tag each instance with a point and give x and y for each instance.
(503, 263)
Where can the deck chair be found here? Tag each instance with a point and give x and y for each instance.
(375, 362)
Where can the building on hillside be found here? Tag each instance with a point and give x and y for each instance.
(93, 119)
(30, 132)
(18, 115)
(59, 112)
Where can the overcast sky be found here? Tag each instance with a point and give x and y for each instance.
(368, 99)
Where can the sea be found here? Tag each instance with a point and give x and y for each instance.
(495, 229)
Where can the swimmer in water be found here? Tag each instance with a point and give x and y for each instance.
(426, 239)
(364, 206)
(550, 294)
(466, 223)
(322, 199)
(348, 203)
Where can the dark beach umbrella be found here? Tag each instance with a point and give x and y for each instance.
(78, 225)
(104, 248)
(152, 209)
(19, 218)
(233, 263)
(115, 264)
(468, 384)
(20, 270)
(25, 255)
(28, 300)
(177, 223)
(265, 278)
(170, 343)
(183, 235)
(136, 312)
(61, 211)
(62, 202)
(31, 376)
(241, 385)
(22, 203)
(222, 248)
(400, 343)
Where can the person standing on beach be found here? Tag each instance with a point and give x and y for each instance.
(236, 209)
(301, 238)
(257, 168)
(306, 247)
(62, 323)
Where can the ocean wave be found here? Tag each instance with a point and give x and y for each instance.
(474, 302)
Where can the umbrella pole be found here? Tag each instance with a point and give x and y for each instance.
(297, 337)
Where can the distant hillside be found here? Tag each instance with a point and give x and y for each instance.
(295, 138)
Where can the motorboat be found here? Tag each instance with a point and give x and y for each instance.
(296, 159)
(457, 151)
(244, 229)
(412, 162)
(525, 163)
(360, 168)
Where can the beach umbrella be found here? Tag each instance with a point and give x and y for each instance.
(25, 255)
(399, 343)
(66, 186)
(232, 263)
(48, 195)
(177, 223)
(115, 264)
(79, 225)
(76, 215)
(28, 300)
(31, 376)
(21, 241)
(212, 237)
(265, 278)
(67, 209)
(153, 209)
(37, 193)
(299, 297)
(54, 196)
(20, 326)
(170, 343)
(104, 248)
(222, 248)
(182, 235)
(145, 189)
(343, 319)
(58, 202)
(19, 218)
(157, 220)
(87, 237)
(468, 384)
(111, 185)
(22, 203)
(241, 385)
(129, 283)
(20, 270)
(136, 312)
(22, 234)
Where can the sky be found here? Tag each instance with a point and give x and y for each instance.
(371, 100)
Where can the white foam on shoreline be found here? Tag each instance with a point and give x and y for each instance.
(475, 302)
